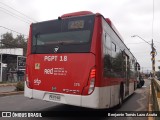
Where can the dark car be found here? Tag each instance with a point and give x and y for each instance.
(140, 82)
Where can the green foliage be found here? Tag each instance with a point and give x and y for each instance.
(2, 82)
(8, 41)
(20, 86)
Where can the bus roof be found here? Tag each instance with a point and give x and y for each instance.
(113, 27)
(81, 13)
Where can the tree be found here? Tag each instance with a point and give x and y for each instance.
(21, 42)
(8, 41)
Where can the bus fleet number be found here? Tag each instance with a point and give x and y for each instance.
(55, 58)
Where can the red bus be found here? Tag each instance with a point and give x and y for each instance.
(79, 59)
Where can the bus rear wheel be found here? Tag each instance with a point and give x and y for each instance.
(120, 101)
(121, 96)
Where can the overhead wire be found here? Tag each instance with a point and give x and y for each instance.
(153, 21)
(13, 30)
(29, 18)
(136, 43)
(11, 14)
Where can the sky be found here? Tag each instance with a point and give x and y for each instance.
(130, 17)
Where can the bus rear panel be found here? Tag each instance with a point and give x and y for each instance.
(68, 62)
(60, 65)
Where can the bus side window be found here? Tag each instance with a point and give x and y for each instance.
(113, 47)
(107, 55)
(107, 41)
(132, 68)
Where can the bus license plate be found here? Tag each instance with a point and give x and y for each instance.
(54, 97)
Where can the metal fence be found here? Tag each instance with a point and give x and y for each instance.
(155, 85)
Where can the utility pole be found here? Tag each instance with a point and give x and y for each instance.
(153, 52)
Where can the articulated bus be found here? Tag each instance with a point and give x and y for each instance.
(79, 59)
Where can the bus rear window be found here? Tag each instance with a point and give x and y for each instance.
(70, 35)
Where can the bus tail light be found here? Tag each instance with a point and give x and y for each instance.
(91, 86)
(91, 83)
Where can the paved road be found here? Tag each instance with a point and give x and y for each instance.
(137, 102)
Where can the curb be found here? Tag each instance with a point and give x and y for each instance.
(150, 103)
(11, 93)
(9, 84)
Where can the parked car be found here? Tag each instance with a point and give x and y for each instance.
(140, 82)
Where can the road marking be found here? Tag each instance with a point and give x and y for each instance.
(150, 105)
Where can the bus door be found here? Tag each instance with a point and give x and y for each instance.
(126, 72)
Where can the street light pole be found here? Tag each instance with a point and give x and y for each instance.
(153, 53)
(141, 39)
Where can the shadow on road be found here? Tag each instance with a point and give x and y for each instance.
(67, 112)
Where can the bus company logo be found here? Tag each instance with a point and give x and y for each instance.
(56, 49)
(37, 82)
(37, 66)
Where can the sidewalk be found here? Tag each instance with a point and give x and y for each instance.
(9, 89)
(8, 84)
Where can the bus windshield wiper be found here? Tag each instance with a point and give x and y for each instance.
(67, 42)
(37, 35)
(61, 42)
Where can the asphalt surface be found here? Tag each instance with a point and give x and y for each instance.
(137, 102)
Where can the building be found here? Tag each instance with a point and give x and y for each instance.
(9, 63)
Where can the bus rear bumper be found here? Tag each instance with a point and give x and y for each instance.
(90, 101)
(27, 91)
